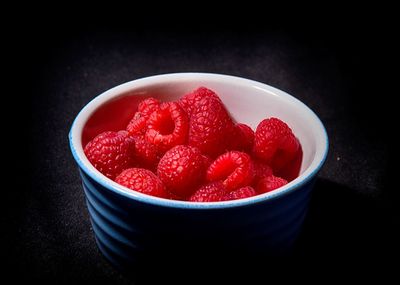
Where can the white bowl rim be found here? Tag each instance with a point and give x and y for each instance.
(81, 119)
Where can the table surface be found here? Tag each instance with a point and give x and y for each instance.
(353, 212)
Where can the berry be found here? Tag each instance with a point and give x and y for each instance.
(181, 169)
(292, 169)
(261, 170)
(137, 125)
(167, 126)
(234, 168)
(272, 136)
(148, 106)
(241, 193)
(211, 192)
(283, 158)
(270, 183)
(145, 154)
(190, 100)
(110, 152)
(143, 181)
(210, 127)
(243, 139)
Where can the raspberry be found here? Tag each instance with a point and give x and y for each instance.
(283, 158)
(270, 183)
(148, 106)
(167, 126)
(211, 192)
(210, 126)
(110, 152)
(292, 169)
(273, 137)
(137, 125)
(243, 139)
(234, 168)
(143, 181)
(190, 100)
(146, 154)
(261, 170)
(240, 193)
(181, 169)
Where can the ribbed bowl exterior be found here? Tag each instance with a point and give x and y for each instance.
(127, 230)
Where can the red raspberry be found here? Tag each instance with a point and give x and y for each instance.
(143, 181)
(211, 192)
(240, 193)
(243, 139)
(181, 169)
(137, 125)
(146, 154)
(292, 169)
(110, 152)
(272, 136)
(270, 183)
(261, 170)
(168, 126)
(148, 106)
(190, 100)
(283, 158)
(234, 168)
(210, 127)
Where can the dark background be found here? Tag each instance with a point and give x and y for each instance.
(340, 67)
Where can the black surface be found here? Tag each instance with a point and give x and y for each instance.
(339, 72)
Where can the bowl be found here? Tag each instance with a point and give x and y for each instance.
(130, 226)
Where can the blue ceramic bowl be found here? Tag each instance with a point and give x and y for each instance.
(129, 225)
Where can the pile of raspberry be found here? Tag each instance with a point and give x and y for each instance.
(192, 150)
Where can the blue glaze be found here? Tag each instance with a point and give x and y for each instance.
(137, 227)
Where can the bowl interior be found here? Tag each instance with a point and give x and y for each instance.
(248, 102)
